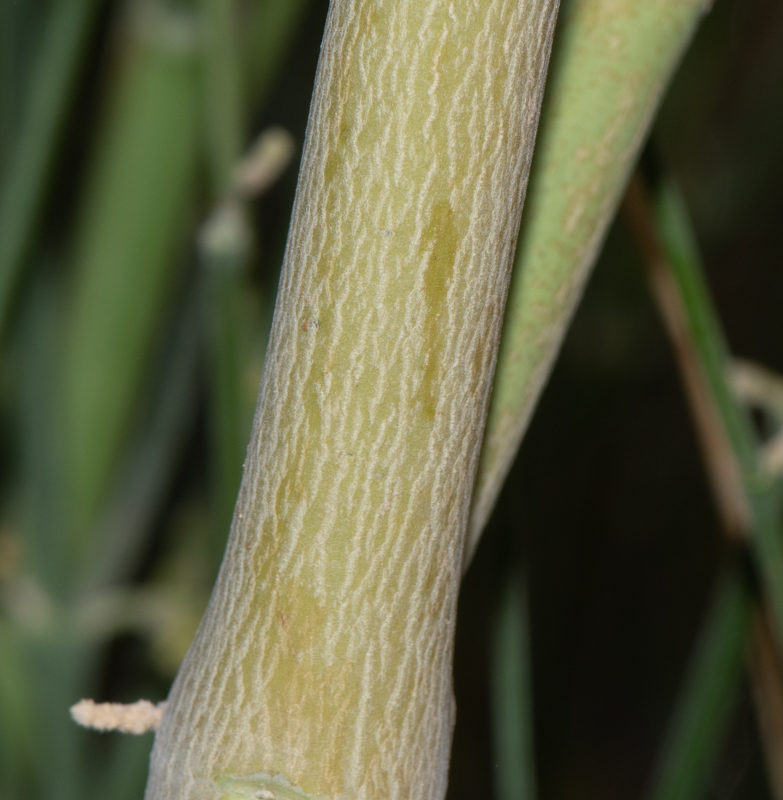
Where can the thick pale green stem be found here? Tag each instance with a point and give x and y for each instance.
(323, 665)
(612, 60)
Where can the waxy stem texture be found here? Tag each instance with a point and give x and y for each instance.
(322, 667)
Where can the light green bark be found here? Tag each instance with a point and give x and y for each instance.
(612, 60)
(323, 664)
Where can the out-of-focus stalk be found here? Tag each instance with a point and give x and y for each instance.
(223, 248)
(40, 335)
(144, 476)
(46, 101)
(268, 33)
(512, 697)
(611, 63)
(50, 659)
(757, 488)
(699, 351)
(17, 745)
(323, 667)
(131, 222)
(224, 242)
(667, 244)
(707, 696)
(222, 91)
(766, 681)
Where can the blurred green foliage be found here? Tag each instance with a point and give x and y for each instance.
(136, 288)
(132, 352)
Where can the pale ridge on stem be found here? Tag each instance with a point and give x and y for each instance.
(322, 667)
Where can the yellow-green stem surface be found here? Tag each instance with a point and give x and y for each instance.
(323, 664)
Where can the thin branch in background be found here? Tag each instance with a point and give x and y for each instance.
(512, 696)
(719, 458)
(147, 469)
(224, 244)
(683, 259)
(765, 680)
(17, 731)
(132, 221)
(726, 479)
(267, 35)
(46, 102)
(707, 696)
(223, 96)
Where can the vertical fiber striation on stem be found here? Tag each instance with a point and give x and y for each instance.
(323, 664)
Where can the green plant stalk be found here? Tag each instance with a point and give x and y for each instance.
(129, 228)
(17, 746)
(708, 694)
(694, 330)
(270, 28)
(767, 689)
(40, 335)
(706, 332)
(148, 466)
(611, 63)
(223, 250)
(223, 102)
(46, 100)
(126, 773)
(512, 697)
(223, 246)
(767, 539)
(58, 665)
(322, 667)
(767, 546)
(51, 664)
